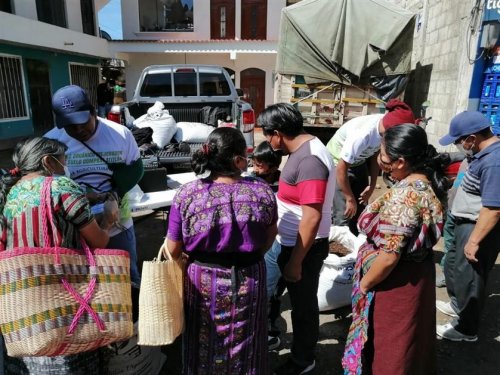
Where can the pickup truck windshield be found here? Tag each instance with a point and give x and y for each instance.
(185, 84)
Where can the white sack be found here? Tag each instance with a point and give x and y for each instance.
(336, 276)
(192, 132)
(158, 119)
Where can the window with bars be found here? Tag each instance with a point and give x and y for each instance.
(87, 77)
(12, 90)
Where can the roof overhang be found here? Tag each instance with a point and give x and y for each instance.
(232, 47)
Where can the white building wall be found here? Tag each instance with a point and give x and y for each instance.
(25, 8)
(29, 32)
(131, 23)
(273, 18)
(74, 15)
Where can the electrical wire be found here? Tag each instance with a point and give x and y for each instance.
(471, 29)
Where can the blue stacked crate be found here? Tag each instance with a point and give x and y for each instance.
(489, 104)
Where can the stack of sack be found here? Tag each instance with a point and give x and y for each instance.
(162, 123)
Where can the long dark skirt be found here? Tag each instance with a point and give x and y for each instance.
(226, 328)
(402, 330)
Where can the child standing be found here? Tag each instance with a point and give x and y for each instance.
(266, 162)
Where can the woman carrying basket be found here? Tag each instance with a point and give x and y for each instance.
(224, 223)
(21, 219)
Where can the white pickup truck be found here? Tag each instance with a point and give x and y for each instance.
(186, 91)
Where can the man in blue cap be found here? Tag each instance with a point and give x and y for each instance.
(476, 209)
(102, 157)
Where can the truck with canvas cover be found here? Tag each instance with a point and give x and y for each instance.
(339, 59)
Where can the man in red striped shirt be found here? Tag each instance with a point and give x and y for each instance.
(305, 195)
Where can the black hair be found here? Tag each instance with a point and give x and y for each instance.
(27, 158)
(282, 117)
(217, 154)
(486, 132)
(409, 141)
(264, 153)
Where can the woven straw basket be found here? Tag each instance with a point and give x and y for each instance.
(59, 301)
(161, 308)
(37, 311)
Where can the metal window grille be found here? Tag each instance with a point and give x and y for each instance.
(12, 92)
(87, 77)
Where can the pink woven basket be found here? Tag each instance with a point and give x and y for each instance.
(59, 301)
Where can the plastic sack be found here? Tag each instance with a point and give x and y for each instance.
(128, 358)
(135, 194)
(192, 132)
(336, 275)
(158, 119)
(335, 282)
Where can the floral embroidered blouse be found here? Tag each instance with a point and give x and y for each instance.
(216, 217)
(22, 216)
(408, 220)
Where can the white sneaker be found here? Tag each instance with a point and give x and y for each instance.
(446, 308)
(448, 332)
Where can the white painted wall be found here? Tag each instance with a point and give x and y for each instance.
(273, 18)
(74, 15)
(131, 23)
(26, 31)
(25, 8)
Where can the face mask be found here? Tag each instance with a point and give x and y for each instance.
(461, 148)
(65, 167)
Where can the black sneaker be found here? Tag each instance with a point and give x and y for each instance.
(291, 368)
(273, 342)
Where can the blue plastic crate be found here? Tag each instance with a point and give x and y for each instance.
(491, 88)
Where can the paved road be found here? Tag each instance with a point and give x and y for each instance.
(453, 358)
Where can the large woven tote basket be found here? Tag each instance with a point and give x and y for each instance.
(161, 308)
(59, 301)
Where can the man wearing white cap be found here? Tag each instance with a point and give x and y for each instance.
(476, 209)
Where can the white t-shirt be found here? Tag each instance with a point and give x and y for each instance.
(115, 143)
(356, 140)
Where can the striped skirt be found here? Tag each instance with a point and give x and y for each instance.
(226, 320)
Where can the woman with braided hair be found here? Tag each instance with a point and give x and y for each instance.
(35, 160)
(394, 316)
(224, 223)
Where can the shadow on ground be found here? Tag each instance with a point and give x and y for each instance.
(481, 357)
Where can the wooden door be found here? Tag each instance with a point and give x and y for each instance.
(40, 95)
(253, 84)
(254, 19)
(222, 19)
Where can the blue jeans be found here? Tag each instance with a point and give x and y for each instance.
(126, 241)
(102, 110)
(273, 270)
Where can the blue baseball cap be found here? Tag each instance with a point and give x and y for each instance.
(465, 123)
(71, 106)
